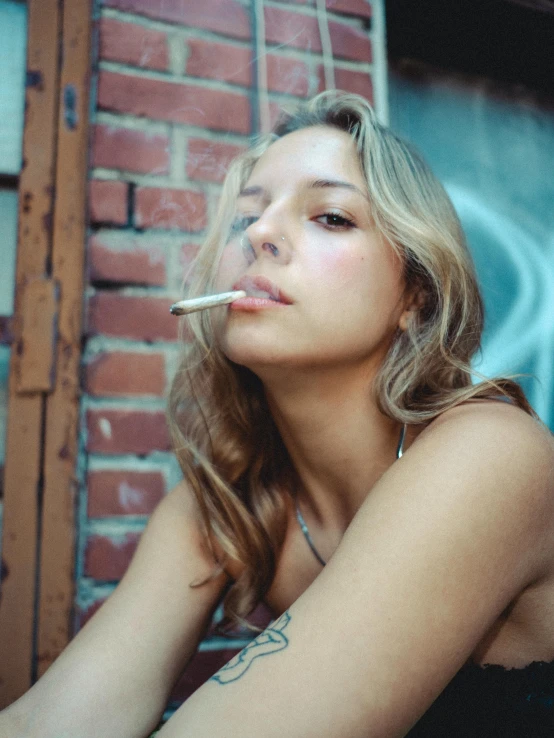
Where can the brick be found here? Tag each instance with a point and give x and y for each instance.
(130, 150)
(124, 259)
(210, 160)
(349, 42)
(359, 8)
(157, 207)
(275, 112)
(117, 373)
(107, 560)
(188, 254)
(108, 201)
(291, 29)
(302, 31)
(132, 44)
(123, 492)
(130, 316)
(202, 666)
(350, 81)
(126, 431)
(214, 60)
(227, 17)
(174, 102)
(186, 257)
(287, 75)
(234, 64)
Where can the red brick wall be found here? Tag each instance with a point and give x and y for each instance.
(174, 103)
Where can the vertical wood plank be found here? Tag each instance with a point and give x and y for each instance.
(25, 411)
(62, 406)
(37, 340)
(19, 540)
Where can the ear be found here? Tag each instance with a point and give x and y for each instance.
(414, 302)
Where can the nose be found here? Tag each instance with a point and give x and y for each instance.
(275, 251)
(265, 239)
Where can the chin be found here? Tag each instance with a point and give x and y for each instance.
(253, 357)
(252, 345)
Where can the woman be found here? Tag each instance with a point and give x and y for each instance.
(339, 465)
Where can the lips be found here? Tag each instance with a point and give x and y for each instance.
(261, 287)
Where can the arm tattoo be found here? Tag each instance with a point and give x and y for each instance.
(270, 641)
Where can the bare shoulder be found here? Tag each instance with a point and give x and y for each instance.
(182, 502)
(495, 414)
(496, 434)
(489, 459)
(181, 499)
(179, 512)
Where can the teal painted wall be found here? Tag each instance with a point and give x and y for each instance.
(495, 156)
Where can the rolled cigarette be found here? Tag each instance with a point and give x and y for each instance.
(203, 303)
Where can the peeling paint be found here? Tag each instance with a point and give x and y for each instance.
(71, 116)
(128, 496)
(35, 79)
(64, 453)
(105, 428)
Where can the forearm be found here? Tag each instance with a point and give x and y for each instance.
(12, 723)
(33, 726)
(92, 700)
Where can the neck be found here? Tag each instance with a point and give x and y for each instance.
(338, 440)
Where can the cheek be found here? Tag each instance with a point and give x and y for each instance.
(336, 270)
(365, 274)
(367, 283)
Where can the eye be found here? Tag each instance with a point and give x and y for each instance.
(335, 221)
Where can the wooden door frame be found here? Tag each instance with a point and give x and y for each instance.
(38, 542)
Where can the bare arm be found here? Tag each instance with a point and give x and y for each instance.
(449, 536)
(115, 677)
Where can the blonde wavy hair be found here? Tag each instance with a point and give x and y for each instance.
(226, 442)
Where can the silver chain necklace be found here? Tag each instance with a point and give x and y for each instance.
(302, 522)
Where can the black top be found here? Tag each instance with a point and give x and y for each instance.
(493, 702)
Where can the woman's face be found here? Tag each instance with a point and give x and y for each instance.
(303, 223)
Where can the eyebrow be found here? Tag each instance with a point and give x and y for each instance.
(327, 183)
(254, 191)
(257, 191)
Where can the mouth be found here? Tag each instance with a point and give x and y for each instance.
(261, 287)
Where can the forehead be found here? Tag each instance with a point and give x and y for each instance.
(318, 152)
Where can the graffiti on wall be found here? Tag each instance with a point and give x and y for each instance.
(495, 156)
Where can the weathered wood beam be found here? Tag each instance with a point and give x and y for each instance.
(23, 472)
(57, 550)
